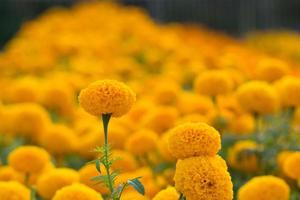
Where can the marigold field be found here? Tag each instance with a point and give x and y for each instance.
(99, 102)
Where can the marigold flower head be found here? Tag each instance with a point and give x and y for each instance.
(258, 97)
(271, 69)
(289, 91)
(264, 188)
(54, 180)
(242, 156)
(291, 166)
(107, 96)
(59, 139)
(213, 83)
(141, 142)
(166, 93)
(194, 139)
(28, 159)
(243, 124)
(163, 147)
(281, 158)
(13, 191)
(203, 178)
(7, 173)
(130, 195)
(169, 193)
(76, 192)
(124, 161)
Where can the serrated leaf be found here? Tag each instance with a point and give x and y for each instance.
(97, 162)
(137, 185)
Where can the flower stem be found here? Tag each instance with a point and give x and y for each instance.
(105, 120)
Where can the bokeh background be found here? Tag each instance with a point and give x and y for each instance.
(235, 17)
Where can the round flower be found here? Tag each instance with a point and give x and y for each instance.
(130, 195)
(291, 166)
(166, 93)
(107, 96)
(28, 159)
(167, 194)
(141, 142)
(76, 192)
(87, 172)
(13, 191)
(242, 156)
(54, 180)
(281, 158)
(289, 91)
(163, 147)
(264, 188)
(194, 139)
(258, 97)
(124, 161)
(271, 69)
(243, 124)
(203, 178)
(213, 83)
(7, 173)
(59, 139)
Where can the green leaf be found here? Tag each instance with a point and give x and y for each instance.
(97, 162)
(137, 185)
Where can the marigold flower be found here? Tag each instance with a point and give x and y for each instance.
(130, 195)
(242, 156)
(243, 124)
(54, 180)
(264, 188)
(107, 96)
(77, 192)
(258, 97)
(169, 193)
(13, 191)
(28, 159)
(59, 139)
(163, 147)
(271, 69)
(124, 161)
(213, 83)
(291, 166)
(194, 139)
(7, 173)
(282, 156)
(289, 91)
(203, 178)
(141, 142)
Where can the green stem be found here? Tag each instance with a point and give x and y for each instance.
(105, 120)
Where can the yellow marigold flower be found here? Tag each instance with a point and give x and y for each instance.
(13, 191)
(141, 142)
(124, 161)
(86, 173)
(28, 159)
(213, 83)
(7, 173)
(243, 124)
(54, 180)
(189, 103)
(35, 176)
(29, 119)
(133, 195)
(203, 178)
(166, 93)
(241, 156)
(291, 166)
(163, 147)
(282, 156)
(141, 109)
(194, 139)
(77, 192)
(271, 69)
(161, 119)
(258, 97)
(59, 139)
(167, 194)
(107, 96)
(289, 91)
(194, 118)
(264, 188)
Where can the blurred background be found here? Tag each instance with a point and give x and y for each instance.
(235, 17)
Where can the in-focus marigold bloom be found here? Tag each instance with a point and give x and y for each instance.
(28, 159)
(264, 188)
(141, 142)
(242, 156)
(213, 83)
(194, 139)
(271, 69)
(291, 166)
(107, 96)
(86, 173)
(258, 97)
(59, 139)
(13, 191)
(167, 194)
(54, 180)
(77, 192)
(289, 91)
(203, 178)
